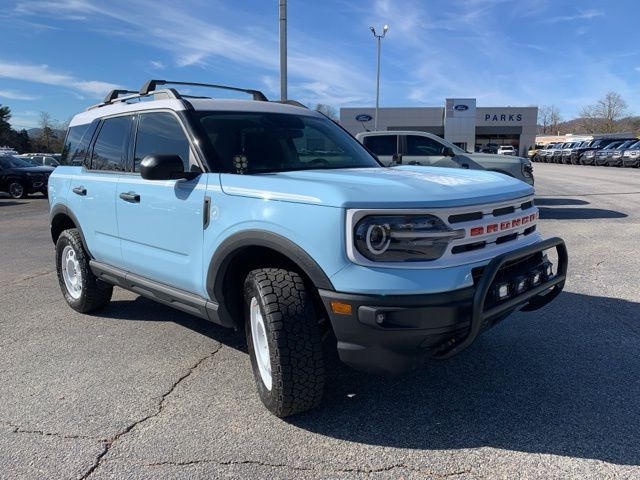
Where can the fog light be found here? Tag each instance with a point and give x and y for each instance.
(502, 291)
(536, 277)
(520, 285)
(548, 269)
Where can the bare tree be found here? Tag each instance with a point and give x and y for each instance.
(589, 119)
(548, 118)
(611, 108)
(328, 110)
(554, 118)
(46, 130)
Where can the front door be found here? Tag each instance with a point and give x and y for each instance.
(385, 147)
(161, 222)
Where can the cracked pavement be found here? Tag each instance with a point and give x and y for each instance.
(144, 391)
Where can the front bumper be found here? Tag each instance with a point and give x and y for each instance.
(390, 334)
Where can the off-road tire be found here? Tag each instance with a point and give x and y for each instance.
(294, 337)
(95, 294)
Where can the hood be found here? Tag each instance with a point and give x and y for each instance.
(492, 157)
(395, 187)
(34, 169)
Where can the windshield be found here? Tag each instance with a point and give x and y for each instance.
(263, 142)
(14, 162)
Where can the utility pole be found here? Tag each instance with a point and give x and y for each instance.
(283, 49)
(378, 40)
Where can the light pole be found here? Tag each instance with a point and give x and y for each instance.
(378, 39)
(283, 49)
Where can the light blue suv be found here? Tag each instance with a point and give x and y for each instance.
(270, 217)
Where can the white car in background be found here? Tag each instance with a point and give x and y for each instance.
(506, 150)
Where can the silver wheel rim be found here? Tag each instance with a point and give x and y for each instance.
(16, 190)
(260, 344)
(71, 273)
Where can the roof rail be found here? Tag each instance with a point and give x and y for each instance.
(113, 94)
(295, 103)
(152, 84)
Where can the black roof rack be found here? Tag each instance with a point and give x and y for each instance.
(113, 94)
(152, 84)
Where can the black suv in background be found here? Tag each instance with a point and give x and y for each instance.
(19, 178)
(586, 155)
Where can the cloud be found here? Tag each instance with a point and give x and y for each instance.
(158, 65)
(582, 15)
(14, 95)
(43, 74)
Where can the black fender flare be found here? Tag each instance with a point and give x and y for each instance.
(235, 243)
(60, 209)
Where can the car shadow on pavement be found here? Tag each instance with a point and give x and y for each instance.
(559, 213)
(546, 201)
(7, 203)
(562, 381)
(144, 310)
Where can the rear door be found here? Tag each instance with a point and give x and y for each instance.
(92, 198)
(419, 150)
(161, 222)
(386, 146)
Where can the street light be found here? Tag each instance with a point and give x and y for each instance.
(378, 39)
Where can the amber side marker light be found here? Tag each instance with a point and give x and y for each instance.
(341, 308)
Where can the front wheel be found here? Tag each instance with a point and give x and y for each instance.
(284, 339)
(17, 190)
(80, 287)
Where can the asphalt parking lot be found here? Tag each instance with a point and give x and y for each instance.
(144, 391)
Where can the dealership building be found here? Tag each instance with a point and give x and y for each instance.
(460, 121)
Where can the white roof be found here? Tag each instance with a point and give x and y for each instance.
(203, 104)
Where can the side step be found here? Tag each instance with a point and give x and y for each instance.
(171, 296)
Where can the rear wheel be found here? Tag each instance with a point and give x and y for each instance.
(17, 189)
(284, 339)
(80, 287)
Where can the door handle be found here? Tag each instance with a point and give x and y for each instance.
(80, 191)
(130, 197)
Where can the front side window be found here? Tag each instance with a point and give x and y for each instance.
(160, 133)
(110, 149)
(423, 146)
(14, 162)
(382, 144)
(264, 142)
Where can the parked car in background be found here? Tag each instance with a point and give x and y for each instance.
(548, 153)
(586, 154)
(427, 149)
(615, 159)
(567, 151)
(47, 160)
(19, 178)
(507, 150)
(603, 155)
(631, 156)
(491, 148)
(532, 153)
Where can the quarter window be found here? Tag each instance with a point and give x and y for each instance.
(423, 146)
(382, 144)
(160, 133)
(110, 149)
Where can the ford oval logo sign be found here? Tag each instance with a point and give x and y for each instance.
(364, 117)
(461, 108)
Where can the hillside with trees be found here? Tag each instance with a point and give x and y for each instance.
(608, 115)
(48, 138)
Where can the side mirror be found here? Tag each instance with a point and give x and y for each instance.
(397, 158)
(448, 152)
(164, 167)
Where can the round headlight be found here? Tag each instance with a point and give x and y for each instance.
(378, 239)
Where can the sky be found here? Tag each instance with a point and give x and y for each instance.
(61, 56)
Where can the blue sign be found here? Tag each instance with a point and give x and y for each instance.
(364, 117)
(461, 108)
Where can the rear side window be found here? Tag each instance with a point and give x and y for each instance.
(382, 144)
(160, 133)
(76, 144)
(423, 146)
(110, 148)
